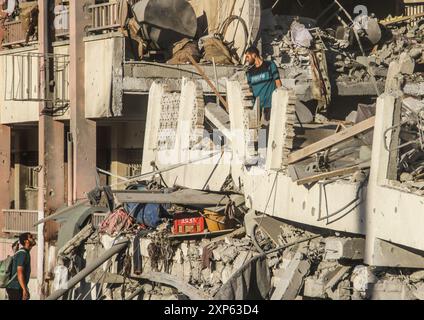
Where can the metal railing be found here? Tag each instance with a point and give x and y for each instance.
(104, 16)
(414, 7)
(19, 221)
(22, 74)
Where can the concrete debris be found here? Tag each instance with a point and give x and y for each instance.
(391, 289)
(344, 248)
(406, 64)
(305, 237)
(362, 280)
(291, 279)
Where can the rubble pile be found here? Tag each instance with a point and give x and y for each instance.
(355, 67)
(299, 264)
(289, 40)
(331, 267)
(411, 145)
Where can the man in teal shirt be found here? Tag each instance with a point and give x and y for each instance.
(21, 269)
(263, 78)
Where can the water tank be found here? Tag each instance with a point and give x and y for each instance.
(165, 22)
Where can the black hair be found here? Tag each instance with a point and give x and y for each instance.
(253, 50)
(23, 237)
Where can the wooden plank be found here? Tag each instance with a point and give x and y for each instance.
(184, 197)
(219, 118)
(208, 81)
(76, 241)
(328, 175)
(332, 140)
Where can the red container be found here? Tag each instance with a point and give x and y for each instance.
(189, 224)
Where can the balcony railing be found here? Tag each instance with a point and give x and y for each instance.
(14, 34)
(19, 221)
(105, 16)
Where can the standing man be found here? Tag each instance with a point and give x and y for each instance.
(21, 269)
(263, 78)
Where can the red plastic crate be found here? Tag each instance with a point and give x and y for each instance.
(189, 224)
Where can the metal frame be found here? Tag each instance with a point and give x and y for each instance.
(20, 221)
(20, 89)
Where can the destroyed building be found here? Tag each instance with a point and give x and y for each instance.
(130, 145)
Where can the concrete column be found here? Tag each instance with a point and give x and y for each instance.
(51, 178)
(5, 152)
(118, 165)
(379, 168)
(83, 130)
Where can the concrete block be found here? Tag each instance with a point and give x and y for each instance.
(362, 279)
(413, 104)
(240, 260)
(323, 286)
(217, 254)
(417, 276)
(177, 269)
(362, 60)
(128, 70)
(391, 289)
(178, 256)
(303, 113)
(352, 117)
(406, 64)
(314, 288)
(184, 249)
(229, 254)
(414, 89)
(292, 279)
(416, 53)
(227, 272)
(344, 248)
(342, 292)
(187, 271)
(418, 291)
(144, 244)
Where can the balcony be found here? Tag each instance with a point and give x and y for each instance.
(105, 17)
(15, 35)
(19, 221)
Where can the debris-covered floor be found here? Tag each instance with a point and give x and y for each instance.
(282, 262)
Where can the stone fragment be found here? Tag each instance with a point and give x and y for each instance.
(406, 64)
(292, 279)
(362, 279)
(344, 248)
(417, 276)
(229, 254)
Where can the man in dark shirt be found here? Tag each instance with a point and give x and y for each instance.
(263, 78)
(21, 269)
